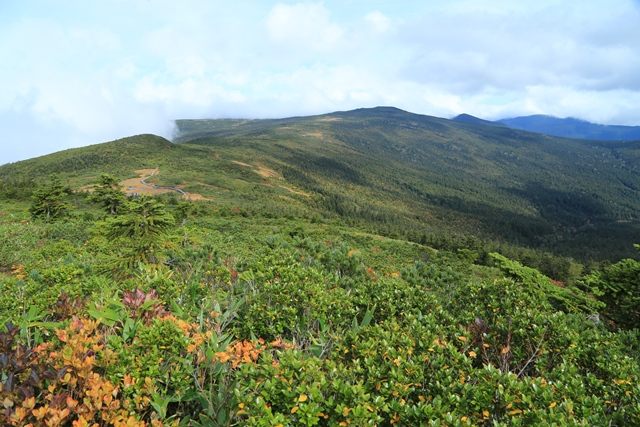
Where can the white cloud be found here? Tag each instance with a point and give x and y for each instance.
(513, 45)
(75, 73)
(190, 92)
(378, 21)
(303, 25)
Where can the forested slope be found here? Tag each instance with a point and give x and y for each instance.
(487, 181)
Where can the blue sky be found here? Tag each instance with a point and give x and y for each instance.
(75, 73)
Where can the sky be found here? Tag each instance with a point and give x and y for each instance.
(77, 72)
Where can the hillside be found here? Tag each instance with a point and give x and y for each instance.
(340, 269)
(573, 128)
(393, 172)
(429, 172)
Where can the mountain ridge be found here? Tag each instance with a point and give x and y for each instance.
(568, 127)
(392, 170)
(468, 118)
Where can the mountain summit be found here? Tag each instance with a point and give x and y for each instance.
(468, 118)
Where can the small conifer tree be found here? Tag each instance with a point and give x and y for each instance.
(48, 202)
(109, 194)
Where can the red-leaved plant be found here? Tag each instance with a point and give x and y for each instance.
(143, 305)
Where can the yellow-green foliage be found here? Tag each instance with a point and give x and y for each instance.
(231, 319)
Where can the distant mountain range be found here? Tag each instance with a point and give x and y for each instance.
(567, 128)
(388, 170)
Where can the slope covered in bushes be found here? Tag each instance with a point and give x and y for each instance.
(175, 313)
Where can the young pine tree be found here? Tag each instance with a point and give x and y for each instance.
(109, 194)
(143, 224)
(48, 202)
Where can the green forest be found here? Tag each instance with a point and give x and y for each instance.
(371, 267)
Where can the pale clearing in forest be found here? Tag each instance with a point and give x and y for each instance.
(315, 134)
(294, 191)
(266, 172)
(263, 171)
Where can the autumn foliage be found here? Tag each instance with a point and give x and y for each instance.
(72, 390)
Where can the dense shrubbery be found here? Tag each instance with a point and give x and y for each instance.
(619, 285)
(136, 320)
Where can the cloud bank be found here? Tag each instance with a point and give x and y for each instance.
(76, 72)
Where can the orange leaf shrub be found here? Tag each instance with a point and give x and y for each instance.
(78, 394)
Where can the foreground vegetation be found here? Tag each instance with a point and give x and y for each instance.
(145, 311)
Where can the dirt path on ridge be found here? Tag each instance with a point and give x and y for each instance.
(139, 185)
